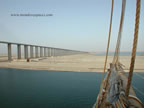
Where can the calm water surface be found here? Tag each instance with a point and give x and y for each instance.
(47, 89)
(51, 89)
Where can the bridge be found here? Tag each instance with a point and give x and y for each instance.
(40, 51)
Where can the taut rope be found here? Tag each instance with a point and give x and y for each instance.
(109, 36)
(115, 86)
(108, 43)
(134, 47)
(117, 50)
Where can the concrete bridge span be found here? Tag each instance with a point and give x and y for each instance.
(40, 51)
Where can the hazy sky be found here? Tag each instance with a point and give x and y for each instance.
(75, 24)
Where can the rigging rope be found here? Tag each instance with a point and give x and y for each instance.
(108, 43)
(115, 60)
(109, 35)
(138, 90)
(134, 47)
(117, 50)
(139, 76)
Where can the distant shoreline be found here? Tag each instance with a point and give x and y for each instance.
(96, 54)
(136, 70)
(121, 54)
(72, 63)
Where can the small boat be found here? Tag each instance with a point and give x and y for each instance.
(116, 90)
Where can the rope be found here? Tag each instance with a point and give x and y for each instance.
(142, 78)
(134, 47)
(108, 43)
(139, 76)
(109, 36)
(117, 50)
(115, 60)
(139, 91)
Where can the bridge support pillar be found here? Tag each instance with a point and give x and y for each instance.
(49, 52)
(25, 51)
(36, 52)
(44, 52)
(53, 52)
(31, 52)
(56, 52)
(19, 51)
(9, 52)
(41, 51)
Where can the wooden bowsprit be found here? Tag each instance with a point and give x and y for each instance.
(116, 90)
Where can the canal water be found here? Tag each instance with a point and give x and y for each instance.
(53, 89)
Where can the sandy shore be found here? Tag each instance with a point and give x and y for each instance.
(73, 63)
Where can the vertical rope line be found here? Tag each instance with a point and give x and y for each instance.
(134, 47)
(108, 43)
(116, 56)
(109, 36)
